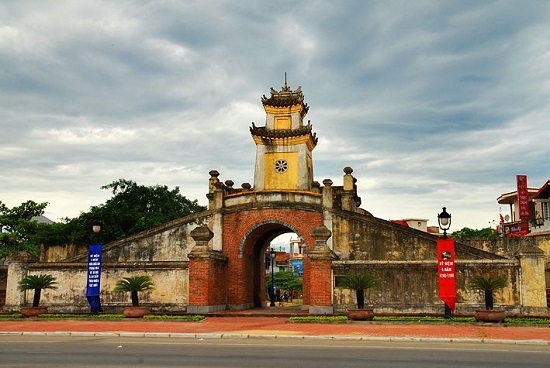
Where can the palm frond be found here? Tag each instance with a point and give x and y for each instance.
(36, 282)
(134, 283)
(490, 283)
(360, 281)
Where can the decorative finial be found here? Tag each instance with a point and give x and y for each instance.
(286, 86)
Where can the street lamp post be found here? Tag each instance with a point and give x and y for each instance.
(272, 288)
(444, 221)
(94, 270)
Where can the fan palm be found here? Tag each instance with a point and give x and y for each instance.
(37, 283)
(488, 285)
(360, 282)
(133, 285)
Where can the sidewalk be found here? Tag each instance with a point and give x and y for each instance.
(274, 327)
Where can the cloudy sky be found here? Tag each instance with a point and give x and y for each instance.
(432, 103)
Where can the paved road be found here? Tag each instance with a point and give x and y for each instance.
(116, 351)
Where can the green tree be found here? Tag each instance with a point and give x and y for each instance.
(131, 209)
(37, 283)
(55, 233)
(359, 283)
(134, 285)
(466, 232)
(18, 228)
(488, 285)
(134, 208)
(285, 280)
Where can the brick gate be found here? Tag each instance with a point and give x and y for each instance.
(232, 259)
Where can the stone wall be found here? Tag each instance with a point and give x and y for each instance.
(170, 280)
(412, 286)
(161, 253)
(405, 260)
(509, 247)
(225, 272)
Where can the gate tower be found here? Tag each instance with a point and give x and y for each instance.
(284, 144)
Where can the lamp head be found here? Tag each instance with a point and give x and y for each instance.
(96, 226)
(444, 219)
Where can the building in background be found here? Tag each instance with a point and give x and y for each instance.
(418, 224)
(532, 215)
(296, 256)
(287, 261)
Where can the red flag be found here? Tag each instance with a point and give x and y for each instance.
(501, 218)
(446, 271)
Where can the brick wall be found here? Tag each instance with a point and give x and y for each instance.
(207, 282)
(245, 235)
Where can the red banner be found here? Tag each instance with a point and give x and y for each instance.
(446, 271)
(515, 229)
(523, 197)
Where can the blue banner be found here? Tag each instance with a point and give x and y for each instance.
(297, 267)
(93, 280)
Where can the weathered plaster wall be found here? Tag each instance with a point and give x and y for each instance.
(405, 260)
(412, 287)
(170, 293)
(359, 236)
(509, 247)
(533, 252)
(160, 253)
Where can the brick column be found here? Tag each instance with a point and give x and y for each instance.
(207, 275)
(320, 273)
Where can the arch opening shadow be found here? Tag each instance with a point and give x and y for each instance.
(255, 249)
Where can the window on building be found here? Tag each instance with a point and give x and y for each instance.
(545, 210)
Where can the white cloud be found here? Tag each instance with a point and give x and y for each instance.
(433, 104)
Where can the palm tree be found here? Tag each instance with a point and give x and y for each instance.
(360, 282)
(37, 283)
(489, 285)
(133, 285)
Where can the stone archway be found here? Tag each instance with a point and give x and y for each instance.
(234, 277)
(246, 234)
(252, 249)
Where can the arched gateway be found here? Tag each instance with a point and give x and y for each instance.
(284, 199)
(214, 260)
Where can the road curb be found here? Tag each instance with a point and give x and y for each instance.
(204, 336)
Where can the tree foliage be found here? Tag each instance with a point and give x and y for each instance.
(285, 280)
(18, 228)
(37, 283)
(131, 209)
(488, 285)
(359, 283)
(134, 208)
(134, 285)
(466, 232)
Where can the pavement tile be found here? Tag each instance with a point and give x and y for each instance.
(272, 327)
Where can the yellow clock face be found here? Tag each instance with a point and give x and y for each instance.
(281, 170)
(281, 166)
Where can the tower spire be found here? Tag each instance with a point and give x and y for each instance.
(284, 145)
